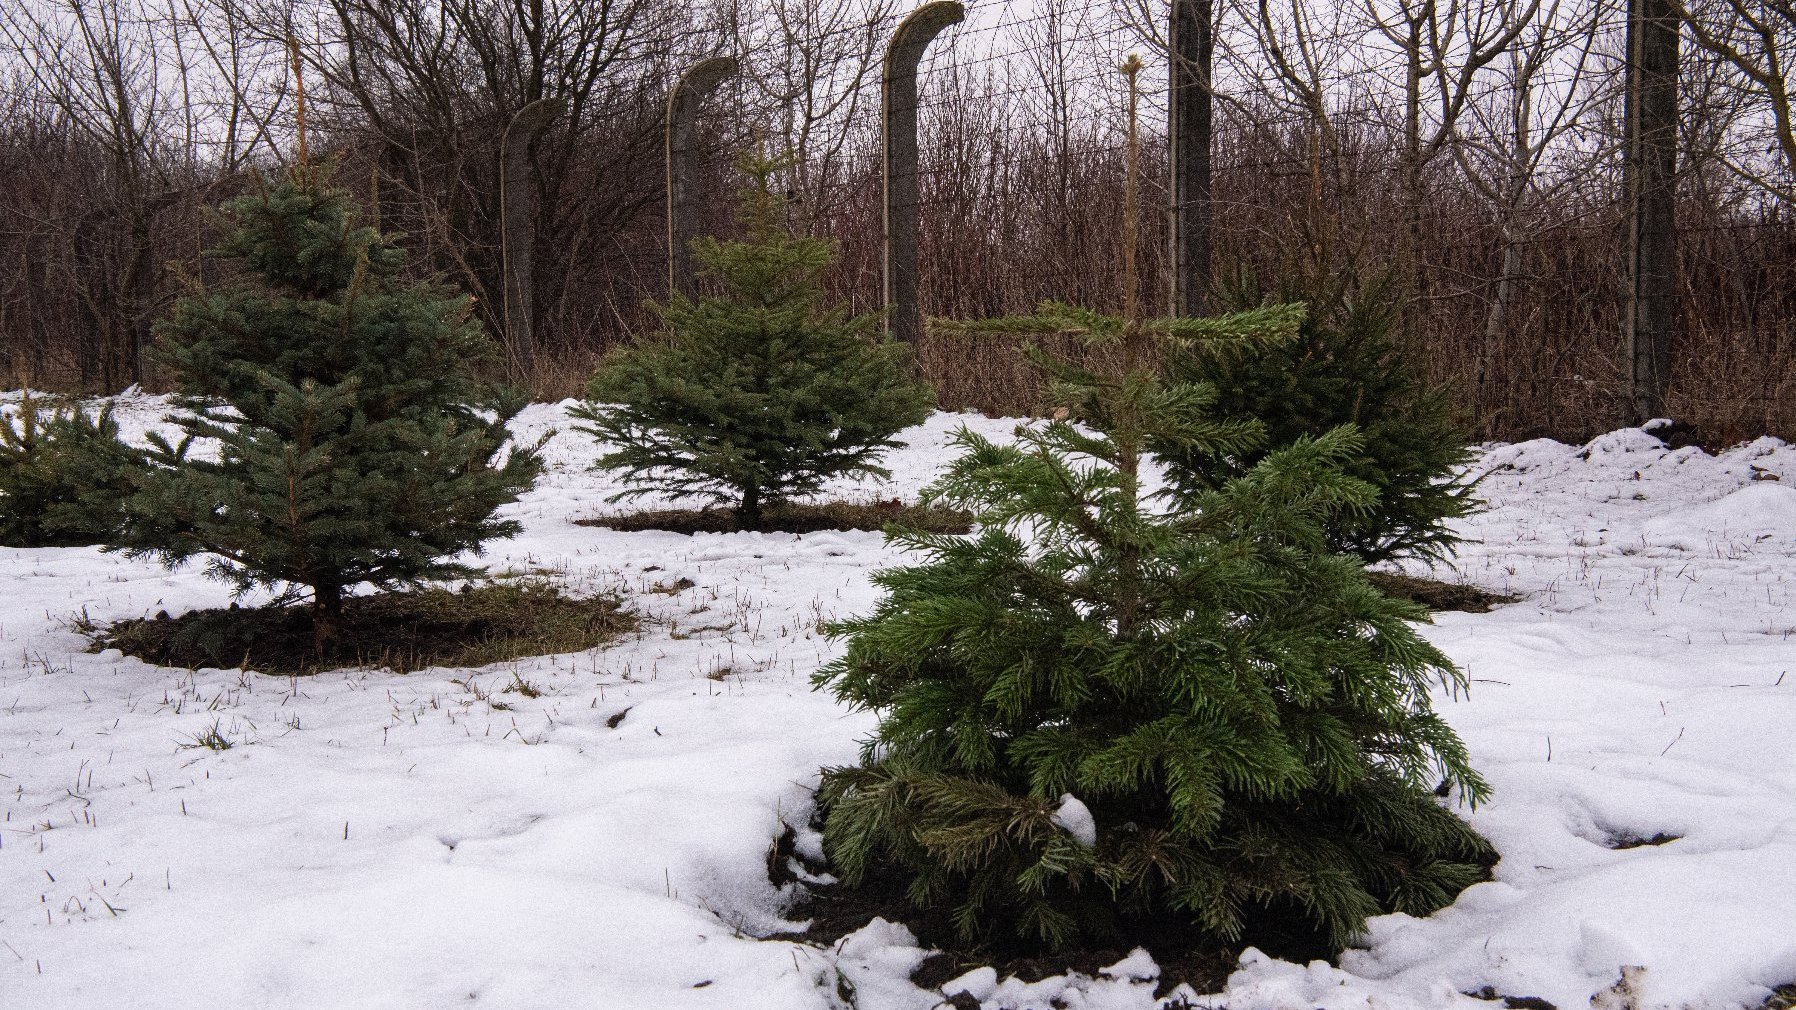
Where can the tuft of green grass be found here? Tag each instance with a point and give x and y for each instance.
(476, 625)
(521, 686)
(212, 739)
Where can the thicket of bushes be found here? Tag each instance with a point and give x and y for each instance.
(1105, 714)
(1520, 264)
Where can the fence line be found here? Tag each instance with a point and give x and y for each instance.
(1510, 227)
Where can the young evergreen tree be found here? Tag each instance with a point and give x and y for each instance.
(761, 393)
(63, 474)
(1346, 366)
(1110, 712)
(356, 442)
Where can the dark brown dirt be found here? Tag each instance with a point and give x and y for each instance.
(402, 631)
(1512, 1002)
(1632, 841)
(1438, 595)
(1782, 998)
(793, 519)
(1184, 955)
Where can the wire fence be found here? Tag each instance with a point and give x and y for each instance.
(1472, 152)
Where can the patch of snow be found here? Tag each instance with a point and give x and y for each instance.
(1760, 510)
(376, 840)
(979, 983)
(1139, 966)
(1074, 818)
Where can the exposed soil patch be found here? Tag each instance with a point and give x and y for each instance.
(1438, 595)
(875, 516)
(1512, 1002)
(402, 631)
(1183, 954)
(1680, 434)
(1626, 840)
(1782, 998)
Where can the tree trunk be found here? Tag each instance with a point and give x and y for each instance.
(138, 297)
(1496, 323)
(748, 513)
(517, 229)
(1415, 237)
(327, 611)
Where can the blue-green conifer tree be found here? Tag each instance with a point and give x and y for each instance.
(354, 439)
(762, 392)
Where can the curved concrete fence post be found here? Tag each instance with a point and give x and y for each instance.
(899, 117)
(517, 226)
(1191, 50)
(694, 85)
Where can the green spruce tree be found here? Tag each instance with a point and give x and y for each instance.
(355, 440)
(758, 394)
(1120, 715)
(1346, 366)
(63, 474)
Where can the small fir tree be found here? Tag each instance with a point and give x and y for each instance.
(1346, 366)
(759, 394)
(63, 474)
(1111, 713)
(356, 442)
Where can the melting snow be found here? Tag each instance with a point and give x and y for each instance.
(1074, 818)
(375, 840)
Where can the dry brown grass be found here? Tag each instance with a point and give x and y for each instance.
(1782, 998)
(551, 378)
(875, 516)
(989, 373)
(401, 631)
(1437, 595)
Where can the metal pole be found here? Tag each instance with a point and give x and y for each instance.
(899, 115)
(698, 81)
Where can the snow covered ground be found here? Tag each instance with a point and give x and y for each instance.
(432, 840)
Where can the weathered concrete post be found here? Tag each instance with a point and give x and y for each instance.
(694, 85)
(1649, 175)
(899, 117)
(517, 226)
(1190, 48)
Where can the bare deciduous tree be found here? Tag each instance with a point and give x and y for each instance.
(1755, 41)
(1543, 89)
(428, 88)
(98, 68)
(810, 71)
